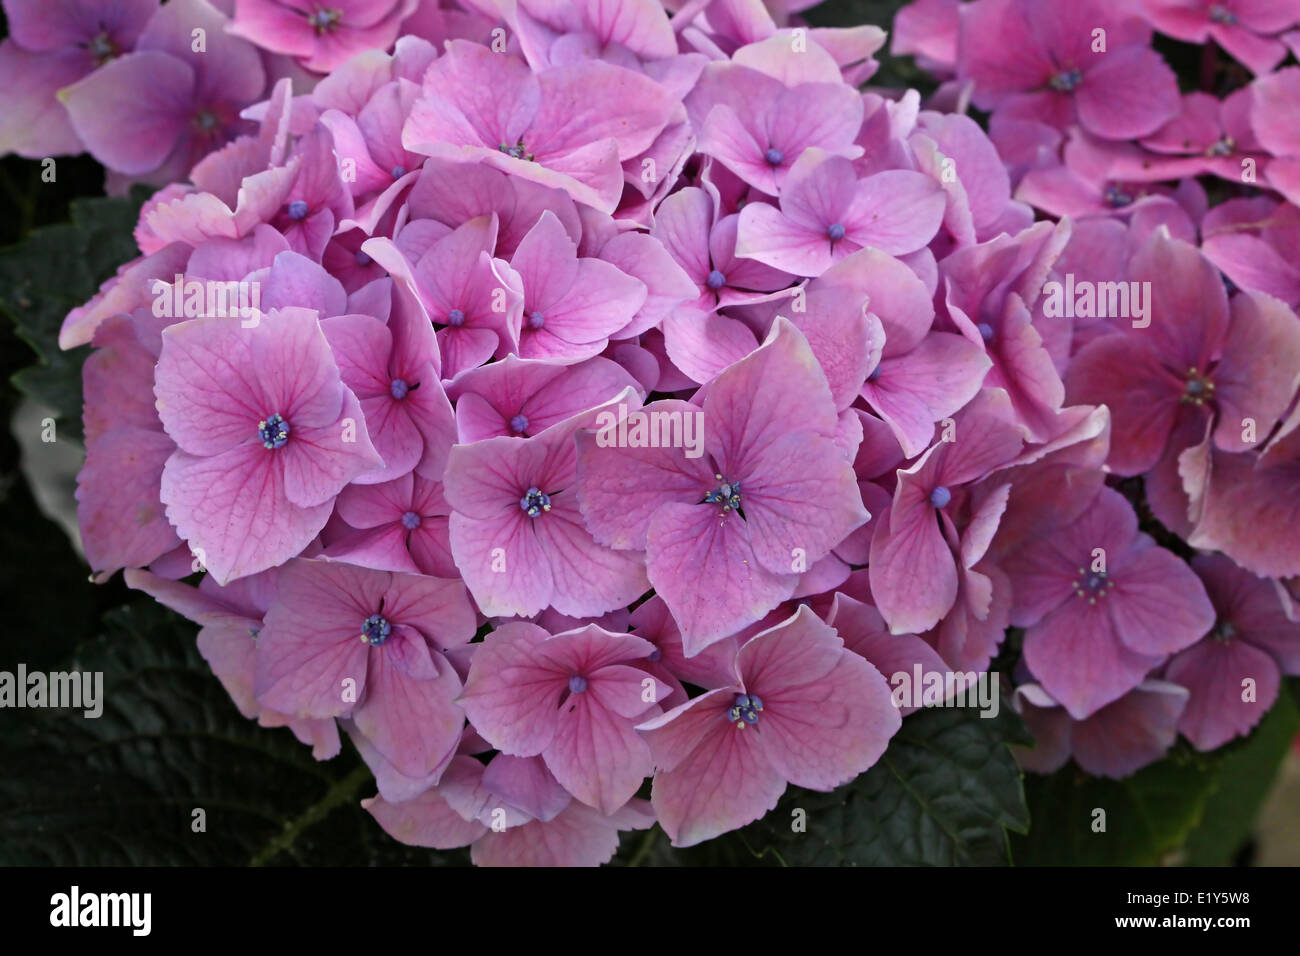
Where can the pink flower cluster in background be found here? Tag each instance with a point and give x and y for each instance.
(627, 392)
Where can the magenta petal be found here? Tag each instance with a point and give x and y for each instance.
(725, 782)
(503, 562)
(1253, 381)
(579, 836)
(586, 577)
(407, 713)
(827, 714)
(524, 782)
(1217, 674)
(621, 489)
(301, 673)
(1078, 658)
(1157, 605)
(1134, 731)
(1123, 373)
(804, 514)
(131, 112)
(703, 344)
(913, 571)
(596, 755)
(234, 512)
(320, 461)
(865, 633)
(1127, 93)
(35, 124)
(704, 568)
(118, 509)
(926, 385)
(426, 821)
(512, 693)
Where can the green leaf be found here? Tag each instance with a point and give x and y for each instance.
(945, 793)
(57, 605)
(1245, 775)
(1147, 816)
(53, 270)
(1190, 807)
(122, 789)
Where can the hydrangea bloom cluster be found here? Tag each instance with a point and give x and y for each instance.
(560, 396)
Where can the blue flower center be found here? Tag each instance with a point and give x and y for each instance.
(1224, 146)
(363, 259)
(101, 49)
(274, 432)
(986, 331)
(206, 120)
(835, 231)
(875, 374)
(1066, 81)
(655, 655)
(297, 210)
(323, 19)
(398, 388)
(534, 502)
(940, 497)
(519, 424)
(1224, 631)
(1116, 198)
(517, 151)
(1220, 14)
(745, 710)
(716, 280)
(577, 684)
(726, 494)
(410, 521)
(774, 156)
(398, 172)
(456, 318)
(375, 630)
(1198, 389)
(1092, 585)
(536, 320)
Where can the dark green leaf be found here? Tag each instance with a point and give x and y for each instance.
(1245, 774)
(1147, 816)
(52, 271)
(123, 788)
